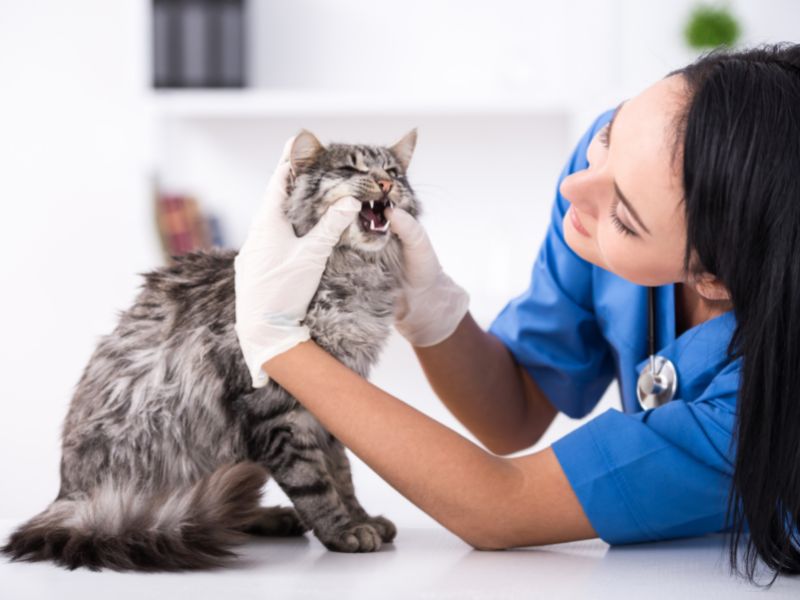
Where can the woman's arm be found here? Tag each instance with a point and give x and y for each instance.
(479, 381)
(488, 501)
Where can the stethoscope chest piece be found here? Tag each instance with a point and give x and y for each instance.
(658, 380)
(657, 383)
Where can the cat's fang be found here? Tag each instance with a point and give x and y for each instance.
(372, 204)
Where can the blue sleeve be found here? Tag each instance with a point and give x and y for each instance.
(551, 328)
(658, 474)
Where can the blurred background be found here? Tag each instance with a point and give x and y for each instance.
(134, 130)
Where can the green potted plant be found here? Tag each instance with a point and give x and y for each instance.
(710, 26)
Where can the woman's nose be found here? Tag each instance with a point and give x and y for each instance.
(582, 189)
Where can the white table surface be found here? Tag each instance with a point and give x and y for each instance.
(422, 563)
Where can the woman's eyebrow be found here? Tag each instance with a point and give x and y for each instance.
(611, 122)
(618, 191)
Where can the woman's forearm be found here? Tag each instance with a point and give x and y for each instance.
(476, 377)
(456, 482)
(488, 501)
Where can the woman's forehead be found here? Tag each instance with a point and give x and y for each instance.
(643, 138)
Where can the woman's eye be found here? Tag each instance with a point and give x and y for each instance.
(623, 229)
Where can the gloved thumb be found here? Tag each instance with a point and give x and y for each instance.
(421, 263)
(326, 233)
(407, 228)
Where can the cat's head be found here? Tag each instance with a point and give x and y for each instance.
(375, 175)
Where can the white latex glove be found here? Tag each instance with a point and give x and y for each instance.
(432, 305)
(277, 273)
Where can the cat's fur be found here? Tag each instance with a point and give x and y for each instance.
(167, 444)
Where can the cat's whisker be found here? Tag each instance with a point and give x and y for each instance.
(418, 186)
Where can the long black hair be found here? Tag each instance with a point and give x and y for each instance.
(740, 130)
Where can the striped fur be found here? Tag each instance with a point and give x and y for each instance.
(166, 444)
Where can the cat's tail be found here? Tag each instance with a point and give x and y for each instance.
(120, 528)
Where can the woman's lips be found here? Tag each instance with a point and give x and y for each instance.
(576, 222)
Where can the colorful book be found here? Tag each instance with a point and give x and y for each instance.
(182, 225)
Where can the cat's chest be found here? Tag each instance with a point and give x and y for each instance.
(352, 311)
(357, 298)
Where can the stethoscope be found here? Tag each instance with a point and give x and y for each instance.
(658, 380)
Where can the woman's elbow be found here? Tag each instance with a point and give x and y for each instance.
(481, 533)
(476, 521)
(483, 541)
(488, 545)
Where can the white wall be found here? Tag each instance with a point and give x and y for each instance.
(465, 45)
(77, 141)
(76, 224)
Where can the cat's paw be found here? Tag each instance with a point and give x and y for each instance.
(384, 527)
(359, 537)
(276, 521)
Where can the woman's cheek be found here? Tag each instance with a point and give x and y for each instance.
(609, 247)
(635, 264)
(619, 256)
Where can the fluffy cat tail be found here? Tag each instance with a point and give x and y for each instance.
(121, 528)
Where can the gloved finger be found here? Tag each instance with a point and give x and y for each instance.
(287, 150)
(421, 262)
(270, 223)
(326, 233)
(407, 228)
(272, 219)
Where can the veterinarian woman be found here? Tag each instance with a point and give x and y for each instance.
(691, 189)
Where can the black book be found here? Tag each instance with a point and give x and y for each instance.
(198, 43)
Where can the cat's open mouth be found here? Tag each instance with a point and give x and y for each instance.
(372, 218)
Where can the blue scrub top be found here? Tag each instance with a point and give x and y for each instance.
(639, 475)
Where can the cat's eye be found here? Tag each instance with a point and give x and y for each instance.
(393, 171)
(351, 169)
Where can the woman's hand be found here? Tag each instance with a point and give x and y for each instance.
(432, 305)
(277, 273)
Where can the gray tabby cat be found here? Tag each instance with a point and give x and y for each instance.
(166, 444)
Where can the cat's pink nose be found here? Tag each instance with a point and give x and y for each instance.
(385, 184)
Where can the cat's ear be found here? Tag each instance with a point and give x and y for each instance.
(304, 151)
(404, 149)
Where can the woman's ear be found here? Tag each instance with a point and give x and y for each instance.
(711, 288)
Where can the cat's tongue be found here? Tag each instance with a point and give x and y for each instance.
(372, 218)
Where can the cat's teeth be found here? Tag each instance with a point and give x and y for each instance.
(372, 204)
(372, 226)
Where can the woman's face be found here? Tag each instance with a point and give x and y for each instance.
(632, 174)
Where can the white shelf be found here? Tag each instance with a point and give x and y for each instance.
(261, 103)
